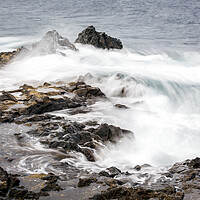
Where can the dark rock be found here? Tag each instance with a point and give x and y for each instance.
(114, 182)
(49, 105)
(83, 90)
(190, 176)
(47, 84)
(3, 174)
(138, 194)
(7, 96)
(110, 172)
(86, 181)
(195, 163)
(121, 106)
(137, 167)
(17, 193)
(5, 119)
(109, 132)
(98, 39)
(88, 154)
(51, 187)
(70, 145)
(13, 181)
(3, 188)
(113, 171)
(51, 42)
(51, 184)
(10, 186)
(104, 173)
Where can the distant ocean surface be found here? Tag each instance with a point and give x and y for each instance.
(146, 25)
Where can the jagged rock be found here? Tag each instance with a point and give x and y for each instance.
(110, 172)
(83, 90)
(109, 132)
(195, 163)
(88, 154)
(7, 96)
(47, 98)
(48, 105)
(51, 42)
(74, 136)
(86, 181)
(98, 39)
(6, 57)
(114, 171)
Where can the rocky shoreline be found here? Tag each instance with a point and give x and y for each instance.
(53, 43)
(31, 105)
(35, 106)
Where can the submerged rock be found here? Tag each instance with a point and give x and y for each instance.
(98, 39)
(51, 42)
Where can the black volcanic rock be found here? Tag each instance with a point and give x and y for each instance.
(109, 132)
(51, 42)
(98, 39)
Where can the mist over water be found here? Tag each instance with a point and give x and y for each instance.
(158, 70)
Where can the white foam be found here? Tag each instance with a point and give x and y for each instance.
(166, 124)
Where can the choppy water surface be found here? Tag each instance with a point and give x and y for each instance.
(159, 67)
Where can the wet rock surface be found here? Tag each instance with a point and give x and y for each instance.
(29, 100)
(7, 57)
(11, 186)
(30, 106)
(98, 186)
(98, 39)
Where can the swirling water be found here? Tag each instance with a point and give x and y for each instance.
(159, 67)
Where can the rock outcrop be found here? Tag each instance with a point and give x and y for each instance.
(98, 39)
(11, 187)
(6, 57)
(47, 98)
(28, 106)
(28, 103)
(52, 42)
